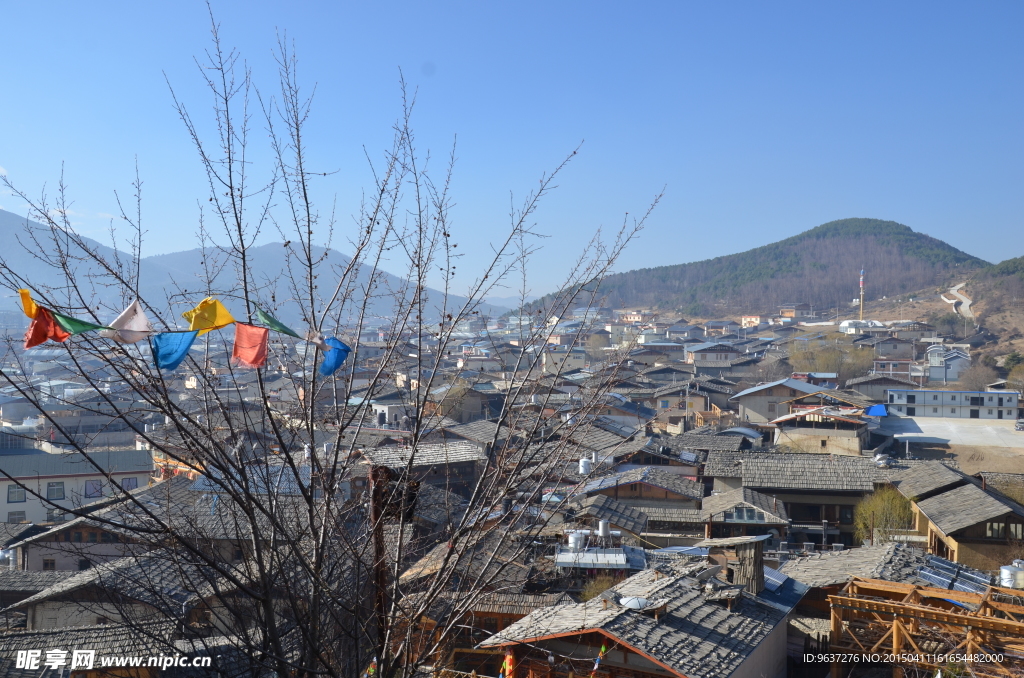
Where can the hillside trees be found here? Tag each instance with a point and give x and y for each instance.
(306, 583)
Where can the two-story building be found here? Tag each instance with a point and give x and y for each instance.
(38, 487)
(955, 404)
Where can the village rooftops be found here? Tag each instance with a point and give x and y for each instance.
(693, 636)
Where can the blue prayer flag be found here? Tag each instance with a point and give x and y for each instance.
(170, 348)
(335, 357)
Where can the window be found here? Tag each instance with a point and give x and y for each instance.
(952, 410)
(84, 564)
(935, 397)
(771, 407)
(990, 411)
(128, 484)
(93, 489)
(15, 494)
(664, 404)
(727, 515)
(846, 515)
(238, 555)
(107, 538)
(824, 443)
(995, 530)
(1015, 531)
(49, 564)
(54, 515)
(93, 538)
(792, 392)
(100, 621)
(77, 537)
(16, 516)
(935, 410)
(55, 490)
(881, 366)
(751, 513)
(990, 398)
(952, 397)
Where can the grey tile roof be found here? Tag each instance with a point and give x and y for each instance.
(797, 471)
(924, 479)
(966, 506)
(164, 580)
(669, 514)
(75, 463)
(650, 475)
(775, 511)
(698, 441)
(31, 581)
(144, 639)
(695, 637)
(601, 507)
(425, 454)
(892, 562)
(794, 384)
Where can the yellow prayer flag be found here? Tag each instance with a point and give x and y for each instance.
(210, 314)
(27, 304)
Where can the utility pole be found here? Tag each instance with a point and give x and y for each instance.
(862, 294)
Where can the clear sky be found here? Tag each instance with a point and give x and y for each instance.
(761, 119)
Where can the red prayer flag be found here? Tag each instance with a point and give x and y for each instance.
(250, 345)
(44, 327)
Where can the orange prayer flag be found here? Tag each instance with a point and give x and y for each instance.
(250, 348)
(44, 327)
(28, 305)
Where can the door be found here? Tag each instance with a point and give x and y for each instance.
(999, 414)
(975, 414)
(911, 411)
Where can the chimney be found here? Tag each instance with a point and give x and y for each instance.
(984, 483)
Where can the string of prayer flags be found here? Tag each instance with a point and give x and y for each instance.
(251, 343)
(130, 327)
(44, 327)
(74, 325)
(28, 305)
(334, 357)
(208, 315)
(170, 348)
(275, 324)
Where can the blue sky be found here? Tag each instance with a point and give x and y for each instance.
(761, 119)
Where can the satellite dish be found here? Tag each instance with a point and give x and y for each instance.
(633, 602)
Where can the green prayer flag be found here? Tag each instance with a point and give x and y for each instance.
(74, 325)
(275, 324)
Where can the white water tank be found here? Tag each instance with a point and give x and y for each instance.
(586, 466)
(575, 541)
(604, 529)
(1011, 577)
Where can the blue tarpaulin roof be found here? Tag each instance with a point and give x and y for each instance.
(876, 411)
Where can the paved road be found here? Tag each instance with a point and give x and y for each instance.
(972, 432)
(965, 303)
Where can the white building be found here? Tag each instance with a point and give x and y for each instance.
(45, 485)
(955, 404)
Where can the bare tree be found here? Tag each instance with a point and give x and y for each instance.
(285, 536)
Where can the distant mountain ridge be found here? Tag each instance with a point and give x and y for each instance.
(819, 266)
(164, 275)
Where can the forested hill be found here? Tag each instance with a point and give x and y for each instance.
(819, 267)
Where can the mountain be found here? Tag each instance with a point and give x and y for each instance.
(819, 267)
(177, 279)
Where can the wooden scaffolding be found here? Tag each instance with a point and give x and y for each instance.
(920, 627)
